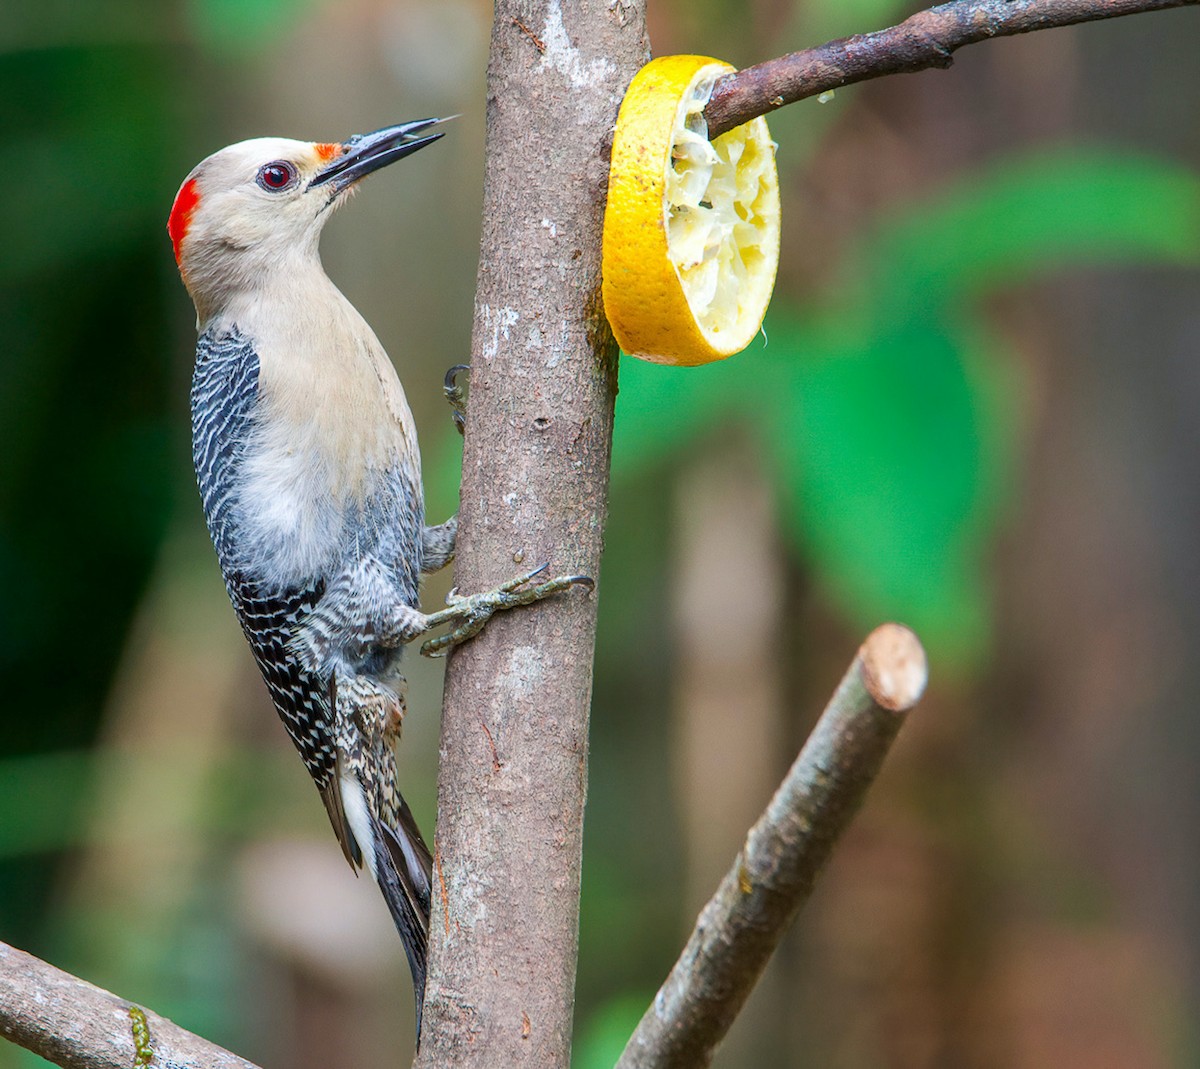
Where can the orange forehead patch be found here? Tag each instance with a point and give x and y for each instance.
(181, 214)
(328, 150)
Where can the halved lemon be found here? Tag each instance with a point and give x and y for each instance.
(691, 231)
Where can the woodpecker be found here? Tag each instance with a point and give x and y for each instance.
(310, 477)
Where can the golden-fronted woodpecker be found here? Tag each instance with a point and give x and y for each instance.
(309, 472)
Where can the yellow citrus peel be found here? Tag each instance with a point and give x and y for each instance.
(691, 231)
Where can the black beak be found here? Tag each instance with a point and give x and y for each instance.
(365, 153)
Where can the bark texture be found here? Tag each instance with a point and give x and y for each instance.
(784, 852)
(513, 772)
(74, 1024)
(925, 40)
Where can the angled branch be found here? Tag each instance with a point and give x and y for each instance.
(774, 873)
(79, 1026)
(925, 40)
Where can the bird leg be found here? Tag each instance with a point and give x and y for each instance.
(437, 545)
(457, 396)
(362, 610)
(472, 612)
(437, 541)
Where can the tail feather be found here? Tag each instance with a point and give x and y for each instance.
(403, 869)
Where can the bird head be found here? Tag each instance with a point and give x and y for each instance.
(257, 208)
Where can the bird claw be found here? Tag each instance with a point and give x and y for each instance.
(473, 611)
(521, 580)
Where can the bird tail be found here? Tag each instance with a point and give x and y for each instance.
(403, 868)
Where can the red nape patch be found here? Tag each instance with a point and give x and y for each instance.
(181, 214)
(328, 150)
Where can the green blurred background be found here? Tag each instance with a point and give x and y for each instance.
(974, 409)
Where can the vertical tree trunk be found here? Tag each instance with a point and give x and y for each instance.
(513, 770)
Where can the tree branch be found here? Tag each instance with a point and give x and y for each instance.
(774, 873)
(513, 768)
(79, 1026)
(927, 39)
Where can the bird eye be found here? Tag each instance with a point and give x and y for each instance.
(276, 176)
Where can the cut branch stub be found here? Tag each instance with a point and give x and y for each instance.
(774, 873)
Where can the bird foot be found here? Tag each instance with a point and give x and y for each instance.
(456, 396)
(471, 613)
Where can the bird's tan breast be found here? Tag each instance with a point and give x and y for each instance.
(333, 425)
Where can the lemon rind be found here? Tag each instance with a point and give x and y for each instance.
(652, 303)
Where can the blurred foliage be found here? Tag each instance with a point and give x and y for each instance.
(886, 409)
(826, 20)
(252, 792)
(90, 446)
(243, 27)
(608, 1030)
(889, 408)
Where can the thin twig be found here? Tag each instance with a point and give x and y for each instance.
(925, 40)
(538, 43)
(772, 876)
(79, 1026)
